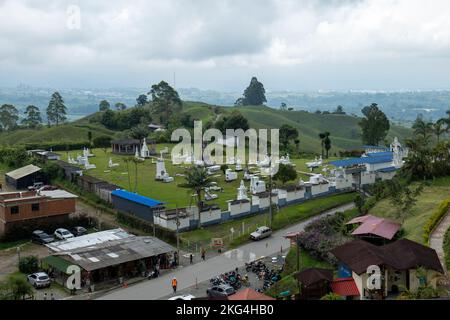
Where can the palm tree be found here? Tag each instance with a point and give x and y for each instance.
(422, 129)
(197, 179)
(439, 128)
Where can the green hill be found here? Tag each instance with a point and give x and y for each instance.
(344, 129)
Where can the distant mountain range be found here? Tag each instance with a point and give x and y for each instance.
(402, 107)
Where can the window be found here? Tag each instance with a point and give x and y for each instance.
(15, 210)
(35, 207)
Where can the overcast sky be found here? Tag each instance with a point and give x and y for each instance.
(212, 44)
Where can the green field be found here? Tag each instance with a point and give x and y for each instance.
(170, 193)
(344, 129)
(427, 203)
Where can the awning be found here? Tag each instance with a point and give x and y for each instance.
(57, 263)
(345, 287)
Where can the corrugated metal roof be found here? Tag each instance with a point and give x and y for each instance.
(362, 160)
(380, 154)
(23, 172)
(381, 227)
(388, 169)
(124, 194)
(345, 287)
(58, 194)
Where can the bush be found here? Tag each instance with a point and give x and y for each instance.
(102, 141)
(447, 248)
(332, 296)
(29, 264)
(57, 146)
(433, 221)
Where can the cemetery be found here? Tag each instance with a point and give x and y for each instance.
(238, 191)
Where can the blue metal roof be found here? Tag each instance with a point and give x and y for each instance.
(380, 154)
(388, 169)
(362, 160)
(124, 194)
(375, 147)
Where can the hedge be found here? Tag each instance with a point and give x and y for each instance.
(433, 221)
(447, 248)
(57, 146)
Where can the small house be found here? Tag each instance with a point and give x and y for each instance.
(135, 204)
(23, 177)
(126, 146)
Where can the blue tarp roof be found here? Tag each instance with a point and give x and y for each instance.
(362, 160)
(124, 194)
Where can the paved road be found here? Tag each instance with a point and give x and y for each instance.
(437, 238)
(203, 271)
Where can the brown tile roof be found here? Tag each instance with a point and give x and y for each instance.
(310, 276)
(401, 255)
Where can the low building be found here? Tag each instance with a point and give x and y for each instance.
(71, 172)
(104, 190)
(314, 282)
(168, 219)
(108, 256)
(249, 294)
(88, 183)
(398, 263)
(373, 228)
(46, 207)
(346, 287)
(23, 177)
(136, 204)
(126, 146)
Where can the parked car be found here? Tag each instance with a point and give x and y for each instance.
(79, 231)
(222, 290)
(41, 237)
(39, 280)
(36, 186)
(183, 297)
(48, 188)
(261, 233)
(63, 234)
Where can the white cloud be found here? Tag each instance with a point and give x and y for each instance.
(228, 33)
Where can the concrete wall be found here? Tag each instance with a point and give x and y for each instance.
(319, 188)
(238, 209)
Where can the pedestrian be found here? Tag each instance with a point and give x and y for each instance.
(174, 284)
(191, 258)
(45, 296)
(203, 254)
(52, 297)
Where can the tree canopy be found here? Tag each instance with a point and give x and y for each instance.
(9, 115)
(32, 117)
(375, 125)
(104, 105)
(287, 133)
(254, 94)
(285, 173)
(165, 100)
(56, 110)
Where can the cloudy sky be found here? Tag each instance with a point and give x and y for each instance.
(212, 44)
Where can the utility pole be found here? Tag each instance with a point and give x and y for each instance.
(178, 234)
(298, 252)
(270, 194)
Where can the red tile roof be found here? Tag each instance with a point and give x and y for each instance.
(384, 228)
(249, 294)
(345, 287)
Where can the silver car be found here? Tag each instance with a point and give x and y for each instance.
(39, 280)
(261, 233)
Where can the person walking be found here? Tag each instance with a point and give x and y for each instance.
(191, 258)
(174, 284)
(52, 297)
(203, 254)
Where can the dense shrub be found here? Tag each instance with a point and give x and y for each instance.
(29, 264)
(447, 248)
(433, 220)
(103, 141)
(57, 146)
(14, 157)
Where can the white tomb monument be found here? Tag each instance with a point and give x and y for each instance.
(242, 192)
(230, 175)
(111, 164)
(257, 185)
(88, 166)
(145, 152)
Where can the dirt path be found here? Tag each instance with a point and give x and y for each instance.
(437, 238)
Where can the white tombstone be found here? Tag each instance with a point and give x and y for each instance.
(145, 153)
(257, 185)
(111, 164)
(242, 192)
(87, 165)
(230, 175)
(160, 170)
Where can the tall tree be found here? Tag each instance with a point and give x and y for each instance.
(9, 115)
(197, 179)
(287, 133)
(234, 121)
(104, 105)
(165, 100)
(375, 125)
(33, 117)
(56, 110)
(322, 143)
(283, 106)
(142, 100)
(255, 94)
(327, 144)
(423, 129)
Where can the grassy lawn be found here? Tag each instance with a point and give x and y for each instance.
(285, 217)
(168, 192)
(427, 203)
(8, 245)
